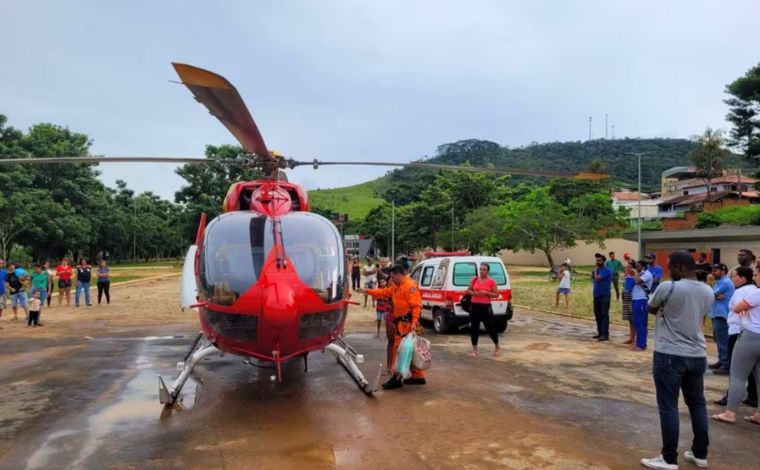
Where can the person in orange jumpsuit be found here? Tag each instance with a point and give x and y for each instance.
(407, 305)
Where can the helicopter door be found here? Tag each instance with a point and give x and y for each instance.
(188, 286)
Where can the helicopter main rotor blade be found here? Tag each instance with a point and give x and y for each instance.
(224, 102)
(473, 169)
(41, 160)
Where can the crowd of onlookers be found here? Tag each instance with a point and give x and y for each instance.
(31, 288)
(698, 290)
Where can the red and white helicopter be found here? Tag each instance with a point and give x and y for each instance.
(268, 277)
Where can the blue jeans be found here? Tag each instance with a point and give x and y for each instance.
(639, 319)
(671, 374)
(82, 286)
(720, 334)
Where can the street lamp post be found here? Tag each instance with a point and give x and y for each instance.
(638, 215)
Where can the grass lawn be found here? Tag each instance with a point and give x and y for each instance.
(152, 265)
(529, 289)
(115, 279)
(356, 201)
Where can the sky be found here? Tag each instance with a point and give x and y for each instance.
(369, 80)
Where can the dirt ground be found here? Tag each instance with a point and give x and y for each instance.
(81, 392)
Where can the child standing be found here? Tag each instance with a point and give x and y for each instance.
(381, 308)
(564, 285)
(35, 305)
(40, 283)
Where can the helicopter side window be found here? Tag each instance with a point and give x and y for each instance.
(314, 247)
(234, 249)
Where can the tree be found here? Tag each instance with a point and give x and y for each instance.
(709, 157)
(744, 112)
(207, 185)
(538, 221)
(483, 230)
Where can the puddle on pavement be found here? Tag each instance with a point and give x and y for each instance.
(134, 406)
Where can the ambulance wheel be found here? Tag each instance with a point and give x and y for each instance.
(501, 324)
(440, 323)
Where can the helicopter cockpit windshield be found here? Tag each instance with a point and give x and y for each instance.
(237, 243)
(314, 246)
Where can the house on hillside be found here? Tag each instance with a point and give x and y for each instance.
(683, 181)
(633, 201)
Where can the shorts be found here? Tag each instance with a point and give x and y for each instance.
(64, 283)
(380, 315)
(19, 299)
(2, 302)
(563, 290)
(370, 284)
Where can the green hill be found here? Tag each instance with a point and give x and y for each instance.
(404, 185)
(356, 201)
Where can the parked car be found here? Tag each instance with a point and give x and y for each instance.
(444, 280)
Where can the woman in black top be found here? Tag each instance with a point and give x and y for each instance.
(84, 273)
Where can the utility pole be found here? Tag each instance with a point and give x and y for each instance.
(134, 237)
(638, 215)
(613, 132)
(589, 128)
(452, 227)
(605, 126)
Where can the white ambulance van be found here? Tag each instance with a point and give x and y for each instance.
(444, 280)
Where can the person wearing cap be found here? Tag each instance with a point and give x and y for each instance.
(602, 277)
(655, 270)
(722, 291)
(616, 267)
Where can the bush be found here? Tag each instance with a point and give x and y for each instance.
(708, 220)
(652, 225)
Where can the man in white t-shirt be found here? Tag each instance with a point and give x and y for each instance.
(680, 359)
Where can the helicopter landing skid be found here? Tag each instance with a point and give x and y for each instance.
(348, 358)
(168, 396)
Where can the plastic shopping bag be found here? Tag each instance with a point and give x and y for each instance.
(404, 356)
(422, 357)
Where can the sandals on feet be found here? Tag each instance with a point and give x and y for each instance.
(752, 419)
(722, 419)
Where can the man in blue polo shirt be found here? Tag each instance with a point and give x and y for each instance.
(722, 290)
(602, 280)
(3, 277)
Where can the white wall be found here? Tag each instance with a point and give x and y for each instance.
(581, 254)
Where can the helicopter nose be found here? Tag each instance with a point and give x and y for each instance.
(280, 304)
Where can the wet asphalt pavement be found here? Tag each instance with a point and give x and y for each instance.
(555, 400)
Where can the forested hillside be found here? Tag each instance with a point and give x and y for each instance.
(406, 185)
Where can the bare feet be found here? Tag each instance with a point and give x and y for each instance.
(474, 353)
(630, 341)
(497, 352)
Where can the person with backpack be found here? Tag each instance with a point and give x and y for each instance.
(642, 288)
